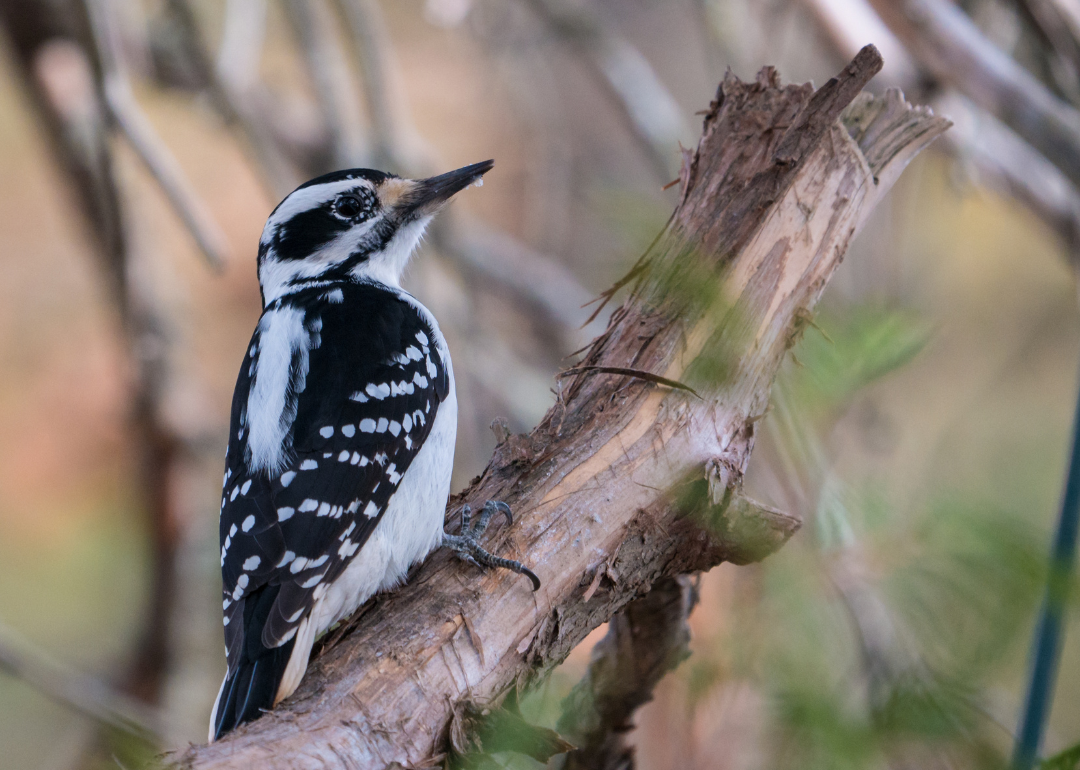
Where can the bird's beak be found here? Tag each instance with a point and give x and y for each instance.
(426, 196)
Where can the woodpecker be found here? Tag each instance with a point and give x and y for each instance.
(341, 440)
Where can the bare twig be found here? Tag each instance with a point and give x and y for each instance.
(312, 22)
(236, 100)
(637, 374)
(140, 133)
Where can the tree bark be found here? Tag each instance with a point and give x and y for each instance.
(645, 640)
(626, 481)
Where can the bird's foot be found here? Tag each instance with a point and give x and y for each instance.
(467, 544)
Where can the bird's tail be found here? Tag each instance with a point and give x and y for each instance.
(249, 690)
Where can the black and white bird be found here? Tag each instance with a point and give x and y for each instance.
(342, 433)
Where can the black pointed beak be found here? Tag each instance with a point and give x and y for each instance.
(429, 194)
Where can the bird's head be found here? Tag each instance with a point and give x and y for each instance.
(357, 223)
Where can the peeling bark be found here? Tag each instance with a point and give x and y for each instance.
(626, 481)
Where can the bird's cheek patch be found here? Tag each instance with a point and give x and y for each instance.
(306, 233)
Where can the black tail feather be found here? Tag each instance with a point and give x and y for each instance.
(251, 689)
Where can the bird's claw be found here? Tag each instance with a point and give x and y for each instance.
(467, 544)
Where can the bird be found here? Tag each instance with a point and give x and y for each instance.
(342, 430)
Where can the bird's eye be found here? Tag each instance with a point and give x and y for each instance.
(348, 206)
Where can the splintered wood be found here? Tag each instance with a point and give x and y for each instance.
(626, 480)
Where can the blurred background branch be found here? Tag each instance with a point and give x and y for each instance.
(650, 112)
(948, 44)
(63, 68)
(125, 112)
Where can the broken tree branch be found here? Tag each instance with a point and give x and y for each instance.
(640, 478)
(648, 638)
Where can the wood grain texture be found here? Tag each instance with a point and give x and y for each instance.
(624, 478)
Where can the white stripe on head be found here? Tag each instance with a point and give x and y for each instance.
(279, 276)
(306, 199)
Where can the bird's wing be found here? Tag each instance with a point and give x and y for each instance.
(374, 383)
